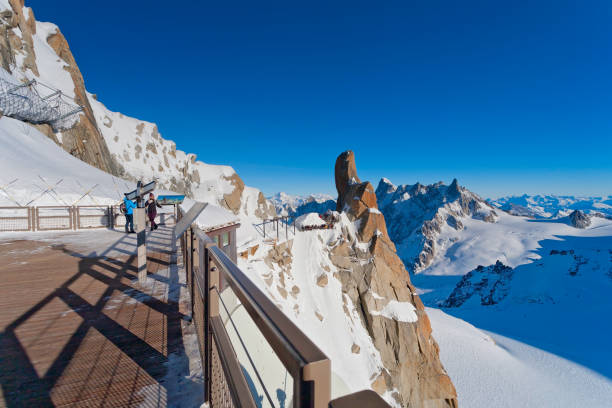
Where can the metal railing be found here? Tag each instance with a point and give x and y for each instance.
(276, 228)
(247, 344)
(63, 218)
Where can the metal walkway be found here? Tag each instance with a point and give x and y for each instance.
(78, 330)
(36, 103)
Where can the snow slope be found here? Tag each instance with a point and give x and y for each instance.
(31, 162)
(491, 370)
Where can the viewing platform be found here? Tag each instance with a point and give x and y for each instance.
(79, 329)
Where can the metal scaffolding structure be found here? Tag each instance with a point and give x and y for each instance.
(37, 103)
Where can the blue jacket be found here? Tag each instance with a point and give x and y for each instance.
(129, 206)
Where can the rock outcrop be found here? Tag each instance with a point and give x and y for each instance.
(418, 213)
(488, 285)
(374, 278)
(579, 219)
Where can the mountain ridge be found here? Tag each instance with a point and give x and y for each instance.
(115, 143)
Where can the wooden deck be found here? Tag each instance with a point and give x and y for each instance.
(81, 331)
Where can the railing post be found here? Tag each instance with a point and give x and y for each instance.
(191, 270)
(207, 343)
(318, 374)
(264, 228)
(141, 243)
(211, 308)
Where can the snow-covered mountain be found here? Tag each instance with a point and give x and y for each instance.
(552, 206)
(115, 143)
(417, 214)
(347, 289)
(518, 305)
(296, 205)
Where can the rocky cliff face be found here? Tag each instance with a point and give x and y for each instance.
(416, 214)
(24, 43)
(374, 278)
(115, 143)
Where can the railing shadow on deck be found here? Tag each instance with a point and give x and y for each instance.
(22, 385)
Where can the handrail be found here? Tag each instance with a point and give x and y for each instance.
(207, 266)
(274, 323)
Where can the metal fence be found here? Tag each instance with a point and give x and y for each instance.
(16, 219)
(252, 354)
(63, 218)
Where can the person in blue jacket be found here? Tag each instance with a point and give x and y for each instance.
(129, 214)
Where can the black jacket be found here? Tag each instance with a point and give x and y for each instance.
(151, 206)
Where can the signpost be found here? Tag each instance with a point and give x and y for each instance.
(170, 199)
(140, 224)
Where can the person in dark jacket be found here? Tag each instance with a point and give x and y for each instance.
(151, 207)
(129, 214)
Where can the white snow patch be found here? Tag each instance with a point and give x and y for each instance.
(399, 311)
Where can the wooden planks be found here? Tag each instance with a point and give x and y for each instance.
(77, 331)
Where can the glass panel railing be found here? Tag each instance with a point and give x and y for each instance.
(269, 381)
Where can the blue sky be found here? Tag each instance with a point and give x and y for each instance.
(509, 97)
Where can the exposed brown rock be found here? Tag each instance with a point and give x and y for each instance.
(282, 291)
(408, 351)
(346, 175)
(232, 201)
(322, 280)
(265, 209)
(84, 140)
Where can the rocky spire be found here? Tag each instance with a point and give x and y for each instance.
(377, 281)
(346, 176)
(453, 190)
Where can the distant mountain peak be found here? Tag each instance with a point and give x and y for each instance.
(417, 213)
